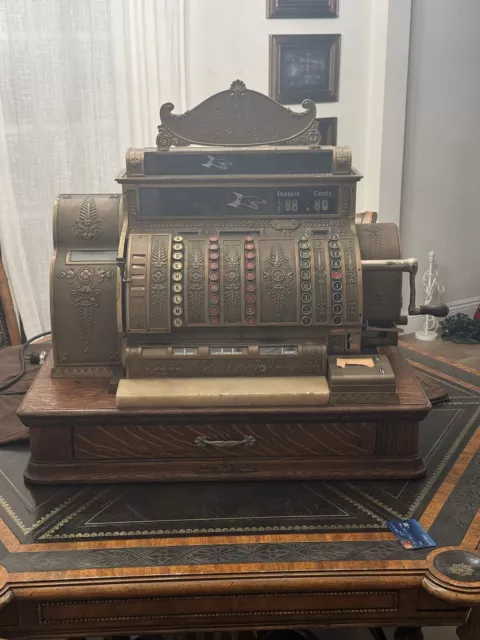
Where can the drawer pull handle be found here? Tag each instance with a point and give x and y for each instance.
(203, 441)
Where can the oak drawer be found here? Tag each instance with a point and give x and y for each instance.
(239, 440)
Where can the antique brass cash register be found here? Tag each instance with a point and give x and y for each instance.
(224, 317)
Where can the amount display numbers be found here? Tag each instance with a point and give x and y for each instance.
(291, 205)
(287, 205)
(322, 201)
(321, 204)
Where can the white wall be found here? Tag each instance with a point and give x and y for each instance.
(440, 205)
(229, 39)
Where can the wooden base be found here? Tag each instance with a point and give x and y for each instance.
(171, 471)
(78, 435)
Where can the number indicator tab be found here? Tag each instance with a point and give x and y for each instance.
(238, 200)
(307, 201)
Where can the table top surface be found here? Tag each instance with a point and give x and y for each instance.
(198, 536)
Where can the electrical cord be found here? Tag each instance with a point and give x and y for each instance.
(21, 355)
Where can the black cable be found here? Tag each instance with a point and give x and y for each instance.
(21, 355)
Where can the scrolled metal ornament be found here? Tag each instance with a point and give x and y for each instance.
(159, 276)
(232, 282)
(88, 226)
(196, 282)
(236, 117)
(278, 276)
(311, 137)
(165, 139)
(237, 89)
(85, 299)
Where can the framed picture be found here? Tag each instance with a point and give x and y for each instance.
(302, 8)
(328, 131)
(304, 66)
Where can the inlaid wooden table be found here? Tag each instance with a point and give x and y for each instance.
(102, 560)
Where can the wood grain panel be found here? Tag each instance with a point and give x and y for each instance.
(255, 441)
(52, 444)
(397, 438)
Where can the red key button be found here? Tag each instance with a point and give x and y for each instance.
(337, 275)
(214, 256)
(251, 321)
(251, 275)
(251, 298)
(214, 299)
(214, 275)
(213, 247)
(249, 239)
(214, 311)
(213, 238)
(251, 286)
(214, 321)
(213, 266)
(250, 246)
(213, 286)
(250, 255)
(250, 265)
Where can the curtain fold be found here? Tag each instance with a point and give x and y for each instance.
(79, 83)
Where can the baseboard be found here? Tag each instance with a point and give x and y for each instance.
(467, 306)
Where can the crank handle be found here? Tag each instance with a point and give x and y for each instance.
(410, 266)
(439, 310)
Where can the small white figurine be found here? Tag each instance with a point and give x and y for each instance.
(432, 289)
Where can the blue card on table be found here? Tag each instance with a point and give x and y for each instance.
(411, 534)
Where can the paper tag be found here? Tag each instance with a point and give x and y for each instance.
(411, 534)
(360, 362)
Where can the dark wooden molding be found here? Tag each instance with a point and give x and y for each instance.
(8, 308)
(278, 43)
(107, 601)
(328, 128)
(453, 575)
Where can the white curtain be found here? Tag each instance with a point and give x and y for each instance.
(80, 81)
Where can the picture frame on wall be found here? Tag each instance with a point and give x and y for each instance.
(304, 66)
(328, 131)
(302, 8)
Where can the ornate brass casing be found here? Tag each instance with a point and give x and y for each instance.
(304, 358)
(85, 285)
(361, 380)
(236, 258)
(237, 117)
(382, 290)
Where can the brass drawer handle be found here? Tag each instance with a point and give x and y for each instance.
(203, 441)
